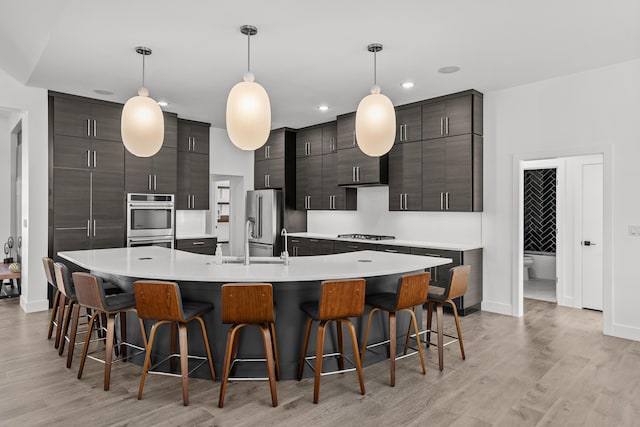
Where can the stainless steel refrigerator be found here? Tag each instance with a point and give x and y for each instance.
(265, 212)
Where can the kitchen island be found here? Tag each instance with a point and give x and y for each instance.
(201, 279)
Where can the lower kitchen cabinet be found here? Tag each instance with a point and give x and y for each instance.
(205, 246)
(472, 299)
(302, 246)
(340, 247)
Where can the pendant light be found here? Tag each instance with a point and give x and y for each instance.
(142, 124)
(248, 107)
(375, 117)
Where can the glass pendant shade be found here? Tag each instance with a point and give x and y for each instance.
(248, 114)
(375, 124)
(142, 125)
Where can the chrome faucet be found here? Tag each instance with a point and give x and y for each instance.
(247, 234)
(285, 254)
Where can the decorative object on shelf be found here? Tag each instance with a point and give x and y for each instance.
(8, 259)
(375, 117)
(248, 107)
(19, 255)
(142, 124)
(14, 267)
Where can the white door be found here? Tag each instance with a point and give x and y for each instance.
(592, 236)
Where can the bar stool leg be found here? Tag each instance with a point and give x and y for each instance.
(184, 362)
(268, 351)
(272, 326)
(147, 358)
(366, 334)
(440, 316)
(206, 345)
(74, 329)
(455, 315)
(108, 357)
(429, 321)
(61, 308)
(231, 336)
(356, 355)
(86, 343)
(414, 322)
(304, 348)
(407, 339)
(319, 353)
(54, 312)
(65, 326)
(392, 347)
(340, 344)
(173, 343)
(123, 333)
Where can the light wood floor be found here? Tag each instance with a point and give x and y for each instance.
(552, 367)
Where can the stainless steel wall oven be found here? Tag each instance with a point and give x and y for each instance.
(150, 219)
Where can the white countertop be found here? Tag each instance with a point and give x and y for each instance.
(151, 262)
(394, 242)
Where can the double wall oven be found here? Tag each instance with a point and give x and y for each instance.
(150, 220)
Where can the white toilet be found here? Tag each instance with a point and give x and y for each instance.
(527, 262)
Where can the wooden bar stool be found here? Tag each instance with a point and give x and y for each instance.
(51, 280)
(411, 291)
(90, 293)
(245, 304)
(457, 286)
(339, 300)
(162, 302)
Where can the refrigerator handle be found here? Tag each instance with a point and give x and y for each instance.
(259, 217)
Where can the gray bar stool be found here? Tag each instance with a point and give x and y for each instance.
(339, 300)
(411, 292)
(162, 302)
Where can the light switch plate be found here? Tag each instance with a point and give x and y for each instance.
(634, 230)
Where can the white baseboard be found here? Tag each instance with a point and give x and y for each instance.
(497, 307)
(33, 306)
(624, 331)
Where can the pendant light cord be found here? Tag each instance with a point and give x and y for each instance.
(375, 68)
(248, 53)
(143, 56)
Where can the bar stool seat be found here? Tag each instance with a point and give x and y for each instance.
(163, 303)
(412, 291)
(339, 300)
(90, 293)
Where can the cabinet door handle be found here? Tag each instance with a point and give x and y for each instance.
(94, 159)
(353, 142)
(193, 147)
(266, 152)
(441, 201)
(393, 251)
(95, 127)
(88, 127)
(88, 158)
(149, 183)
(406, 138)
(447, 200)
(197, 243)
(88, 227)
(189, 201)
(269, 180)
(155, 182)
(446, 127)
(94, 228)
(193, 203)
(441, 125)
(358, 173)
(353, 174)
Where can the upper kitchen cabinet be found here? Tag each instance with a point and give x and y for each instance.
(356, 168)
(309, 182)
(193, 181)
(451, 115)
(193, 136)
(329, 138)
(452, 174)
(409, 123)
(405, 177)
(346, 131)
(86, 118)
(335, 197)
(309, 142)
(275, 163)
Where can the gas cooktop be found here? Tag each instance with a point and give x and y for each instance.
(365, 237)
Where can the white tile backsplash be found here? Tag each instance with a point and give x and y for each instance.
(373, 217)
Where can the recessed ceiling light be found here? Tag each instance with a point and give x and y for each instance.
(163, 103)
(408, 85)
(449, 69)
(103, 91)
(323, 107)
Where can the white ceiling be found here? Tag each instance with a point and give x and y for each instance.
(307, 53)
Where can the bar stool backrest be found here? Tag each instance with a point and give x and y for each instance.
(341, 299)
(48, 271)
(64, 280)
(157, 300)
(89, 291)
(413, 290)
(458, 281)
(247, 303)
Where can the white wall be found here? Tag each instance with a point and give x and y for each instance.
(31, 104)
(373, 217)
(5, 178)
(585, 113)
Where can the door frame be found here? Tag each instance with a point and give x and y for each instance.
(517, 226)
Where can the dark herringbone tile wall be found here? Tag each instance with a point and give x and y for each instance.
(540, 210)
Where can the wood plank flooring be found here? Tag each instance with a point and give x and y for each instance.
(553, 367)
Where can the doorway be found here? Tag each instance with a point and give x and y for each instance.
(579, 232)
(227, 212)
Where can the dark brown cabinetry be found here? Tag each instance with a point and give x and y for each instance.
(405, 177)
(309, 142)
(193, 165)
(452, 115)
(346, 131)
(340, 247)
(205, 246)
(330, 138)
(452, 174)
(158, 173)
(275, 162)
(472, 299)
(301, 246)
(85, 118)
(356, 168)
(409, 123)
(193, 136)
(309, 182)
(335, 197)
